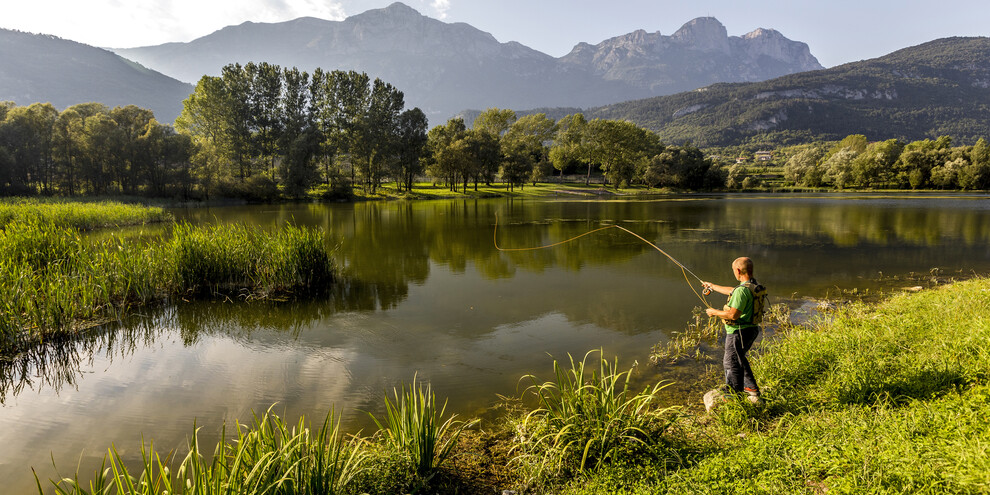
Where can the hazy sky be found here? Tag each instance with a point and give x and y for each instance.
(837, 31)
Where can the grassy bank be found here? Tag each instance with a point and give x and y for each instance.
(888, 397)
(56, 281)
(881, 398)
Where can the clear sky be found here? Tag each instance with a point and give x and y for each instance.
(837, 31)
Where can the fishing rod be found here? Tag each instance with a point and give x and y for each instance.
(684, 270)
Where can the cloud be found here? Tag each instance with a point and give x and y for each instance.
(441, 6)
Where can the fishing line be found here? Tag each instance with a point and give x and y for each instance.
(684, 270)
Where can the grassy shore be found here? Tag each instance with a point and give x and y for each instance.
(888, 397)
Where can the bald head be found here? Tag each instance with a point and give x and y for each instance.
(744, 265)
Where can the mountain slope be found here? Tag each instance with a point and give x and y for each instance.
(444, 68)
(937, 88)
(40, 68)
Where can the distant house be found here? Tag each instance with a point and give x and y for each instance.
(742, 159)
(763, 156)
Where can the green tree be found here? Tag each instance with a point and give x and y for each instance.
(618, 147)
(976, 174)
(494, 121)
(412, 130)
(803, 168)
(533, 133)
(874, 167)
(442, 164)
(839, 167)
(570, 144)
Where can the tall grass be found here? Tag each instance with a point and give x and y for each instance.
(56, 281)
(413, 425)
(586, 417)
(77, 215)
(268, 457)
(227, 258)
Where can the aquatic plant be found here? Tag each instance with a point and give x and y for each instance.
(56, 280)
(412, 424)
(80, 215)
(268, 457)
(231, 258)
(583, 421)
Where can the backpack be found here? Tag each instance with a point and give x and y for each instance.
(759, 302)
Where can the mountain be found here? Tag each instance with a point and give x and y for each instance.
(699, 54)
(938, 88)
(446, 67)
(41, 68)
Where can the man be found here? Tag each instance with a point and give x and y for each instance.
(740, 331)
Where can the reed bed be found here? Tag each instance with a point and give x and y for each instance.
(78, 215)
(57, 281)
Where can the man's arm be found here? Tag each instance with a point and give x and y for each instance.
(721, 289)
(729, 313)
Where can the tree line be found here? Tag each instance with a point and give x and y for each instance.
(500, 146)
(90, 149)
(854, 162)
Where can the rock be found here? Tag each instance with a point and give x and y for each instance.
(713, 398)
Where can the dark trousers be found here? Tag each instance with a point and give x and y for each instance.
(738, 374)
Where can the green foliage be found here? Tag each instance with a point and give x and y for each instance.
(584, 422)
(228, 258)
(270, 457)
(57, 280)
(412, 425)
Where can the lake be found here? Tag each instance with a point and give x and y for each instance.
(425, 292)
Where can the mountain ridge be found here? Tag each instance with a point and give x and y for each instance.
(445, 67)
(45, 68)
(941, 87)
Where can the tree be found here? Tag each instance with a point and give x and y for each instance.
(381, 133)
(412, 130)
(839, 169)
(532, 133)
(442, 164)
(494, 121)
(570, 144)
(803, 168)
(517, 163)
(976, 174)
(874, 166)
(619, 146)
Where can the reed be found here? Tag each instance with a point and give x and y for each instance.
(413, 425)
(57, 281)
(229, 258)
(585, 417)
(78, 214)
(268, 457)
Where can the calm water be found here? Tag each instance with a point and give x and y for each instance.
(425, 291)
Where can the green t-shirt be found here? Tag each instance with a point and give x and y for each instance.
(741, 298)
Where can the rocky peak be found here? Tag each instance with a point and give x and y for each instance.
(704, 33)
(773, 44)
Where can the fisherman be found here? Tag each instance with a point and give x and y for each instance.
(740, 328)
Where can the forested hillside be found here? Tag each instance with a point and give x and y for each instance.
(937, 88)
(36, 68)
